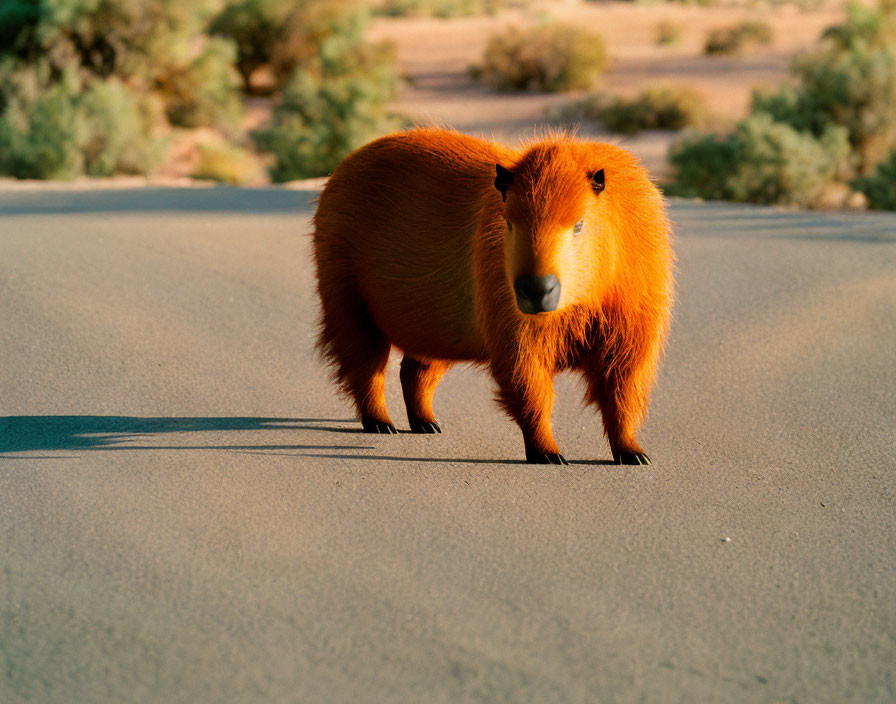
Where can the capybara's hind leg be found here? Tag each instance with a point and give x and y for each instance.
(369, 390)
(529, 398)
(622, 403)
(360, 353)
(418, 384)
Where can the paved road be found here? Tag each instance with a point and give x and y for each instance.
(188, 513)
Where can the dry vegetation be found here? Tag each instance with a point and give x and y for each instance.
(552, 57)
(289, 87)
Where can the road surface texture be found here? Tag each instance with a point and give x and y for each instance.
(189, 513)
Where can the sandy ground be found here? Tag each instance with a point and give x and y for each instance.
(188, 513)
(435, 56)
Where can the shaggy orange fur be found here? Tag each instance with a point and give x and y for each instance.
(417, 247)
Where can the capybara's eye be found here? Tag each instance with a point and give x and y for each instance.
(509, 225)
(578, 227)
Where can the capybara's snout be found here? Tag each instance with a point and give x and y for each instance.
(537, 294)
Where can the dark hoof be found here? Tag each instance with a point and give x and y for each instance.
(534, 457)
(378, 427)
(631, 458)
(425, 427)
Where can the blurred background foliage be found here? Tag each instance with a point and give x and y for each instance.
(833, 128)
(550, 57)
(438, 8)
(106, 87)
(94, 87)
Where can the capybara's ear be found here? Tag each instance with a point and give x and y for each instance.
(503, 179)
(598, 181)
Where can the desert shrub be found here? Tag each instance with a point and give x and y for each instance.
(332, 104)
(704, 165)
(865, 25)
(59, 131)
(225, 163)
(284, 35)
(668, 33)
(134, 39)
(86, 85)
(756, 31)
(835, 124)
(277, 34)
(77, 79)
(850, 81)
(547, 57)
(438, 8)
(722, 41)
(880, 186)
(762, 161)
(256, 27)
(39, 134)
(116, 131)
(205, 92)
(738, 38)
(666, 107)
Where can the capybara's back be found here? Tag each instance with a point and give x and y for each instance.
(455, 249)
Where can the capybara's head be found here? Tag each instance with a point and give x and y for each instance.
(562, 220)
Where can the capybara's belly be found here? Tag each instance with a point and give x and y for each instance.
(420, 292)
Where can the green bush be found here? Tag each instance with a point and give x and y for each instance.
(668, 33)
(139, 40)
(256, 27)
(548, 57)
(737, 39)
(205, 92)
(704, 166)
(333, 104)
(664, 107)
(86, 86)
(762, 161)
(438, 8)
(880, 186)
(59, 131)
(864, 26)
(78, 79)
(39, 136)
(836, 124)
(850, 81)
(277, 34)
(116, 131)
(284, 35)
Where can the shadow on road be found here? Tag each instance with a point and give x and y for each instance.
(28, 433)
(43, 433)
(446, 460)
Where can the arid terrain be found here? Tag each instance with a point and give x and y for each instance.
(435, 56)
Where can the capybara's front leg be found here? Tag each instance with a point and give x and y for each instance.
(528, 396)
(621, 395)
(418, 384)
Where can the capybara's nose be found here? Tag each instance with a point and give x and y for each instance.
(537, 294)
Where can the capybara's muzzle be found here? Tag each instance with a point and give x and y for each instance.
(537, 294)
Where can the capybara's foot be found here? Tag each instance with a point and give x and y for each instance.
(536, 457)
(425, 427)
(623, 457)
(378, 427)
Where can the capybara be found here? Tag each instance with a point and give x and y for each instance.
(454, 249)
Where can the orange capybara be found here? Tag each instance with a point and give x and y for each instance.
(454, 249)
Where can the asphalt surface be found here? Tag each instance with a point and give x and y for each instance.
(188, 513)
